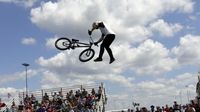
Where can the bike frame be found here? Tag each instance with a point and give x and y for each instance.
(64, 43)
(77, 44)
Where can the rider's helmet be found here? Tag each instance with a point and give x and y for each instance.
(96, 24)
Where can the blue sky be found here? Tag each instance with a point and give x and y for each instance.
(156, 47)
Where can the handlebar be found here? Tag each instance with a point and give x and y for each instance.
(90, 33)
(93, 41)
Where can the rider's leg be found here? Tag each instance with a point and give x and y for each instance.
(107, 42)
(100, 53)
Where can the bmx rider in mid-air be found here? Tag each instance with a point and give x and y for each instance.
(107, 37)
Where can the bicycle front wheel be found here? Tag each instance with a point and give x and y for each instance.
(63, 43)
(86, 55)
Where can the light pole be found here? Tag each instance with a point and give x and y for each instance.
(26, 65)
(188, 93)
(180, 94)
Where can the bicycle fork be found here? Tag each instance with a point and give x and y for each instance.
(88, 53)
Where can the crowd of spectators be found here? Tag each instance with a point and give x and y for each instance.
(78, 101)
(84, 101)
(192, 107)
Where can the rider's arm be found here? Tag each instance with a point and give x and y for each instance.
(100, 39)
(92, 29)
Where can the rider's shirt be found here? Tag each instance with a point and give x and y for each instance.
(106, 30)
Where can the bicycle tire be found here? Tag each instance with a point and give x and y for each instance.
(63, 43)
(86, 55)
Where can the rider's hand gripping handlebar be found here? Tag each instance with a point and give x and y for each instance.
(89, 32)
(92, 41)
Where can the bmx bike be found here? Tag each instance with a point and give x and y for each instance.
(64, 43)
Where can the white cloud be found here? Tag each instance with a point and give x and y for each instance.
(151, 58)
(160, 88)
(5, 91)
(73, 18)
(151, 85)
(28, 41)
(179, 5)
(192, 17)
(148, 58)
(50, 42)
(50, 78)
(142, 12)
(17, 76)
(165, 29)
(187, 52)
(54, 16)
(77, 72)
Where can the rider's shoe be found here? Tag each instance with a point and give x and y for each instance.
(98, 59)
(112, 60)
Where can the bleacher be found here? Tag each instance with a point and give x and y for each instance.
(100, 105)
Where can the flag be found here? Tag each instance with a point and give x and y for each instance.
(9, 95)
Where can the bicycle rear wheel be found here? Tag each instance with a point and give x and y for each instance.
(86, 55)
(63, 43)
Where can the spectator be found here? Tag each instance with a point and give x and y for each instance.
(33, 99)
(45, 97)
(71, 95)
(158, 109)
(176, 107)
(2, 104)
(40, 109)
(137, 109)
(93, 92)
(84, 93)
(144, 109)
(55, 96)
(189, 108)
(167, 109)
(99, 93)
(89, 101)
(60, 95)
(13, 107)
(78, 94)
(195, 105)
(27, 100)
(152, 108)
(171, 109)
(20, 107)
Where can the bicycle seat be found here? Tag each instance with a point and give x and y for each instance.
(75, 40)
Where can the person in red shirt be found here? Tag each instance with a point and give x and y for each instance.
(167, 109)
(2, 104)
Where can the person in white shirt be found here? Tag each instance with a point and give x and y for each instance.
(107, 37)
